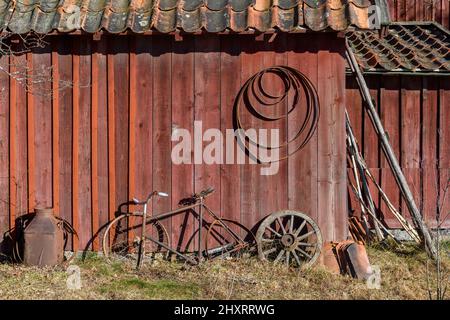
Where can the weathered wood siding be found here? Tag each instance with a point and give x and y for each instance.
(416, 114)
(106, 138)
(420, 10)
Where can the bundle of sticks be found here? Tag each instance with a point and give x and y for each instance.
(362, 177)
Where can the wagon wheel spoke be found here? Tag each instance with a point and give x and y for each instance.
(296, 258)
(273, 231)
(291, 224)
(267, 240)
(304, 253)
(279, 256)
(306, 235)
(297, 232)
(287, 257)
(281, 225)
(267, 252)
(305, 244)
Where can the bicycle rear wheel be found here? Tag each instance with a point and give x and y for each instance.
(220, 243)
(123, 235)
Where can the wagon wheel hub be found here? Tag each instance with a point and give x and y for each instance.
(288, 240)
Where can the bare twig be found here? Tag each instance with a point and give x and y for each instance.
(34, 80)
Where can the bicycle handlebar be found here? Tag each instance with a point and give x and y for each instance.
(154, 193)
(202, 194)
(205, 193)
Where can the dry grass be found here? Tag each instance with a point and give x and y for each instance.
(403, 277)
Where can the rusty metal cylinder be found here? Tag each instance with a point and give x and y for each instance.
(43, 240)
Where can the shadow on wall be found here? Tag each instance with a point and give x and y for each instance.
(11, 245)
(156, 45)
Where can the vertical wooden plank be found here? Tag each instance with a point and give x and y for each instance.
(75, 144)
(101, 47)
(12, 145)
(19, 152)
(419, 14)
(274, 192)
(40, 141)
(428, 10)
(230, 82)
(207, 110)
(64, 158)
(111, 132)
(94, 145)
(429, 148)
(401, 10)
(410, 10)
(132, 127)
(162, 123)
(81, 152)
(390, 112)
(332, 202)
(393, 9)
(121, 110)
(355, 108)
(332, 205)
(183, 119)
(141, 78)
(251, 63)
(390, 116)
(31, 159)
(55, 126)
(371, 145)
(446, 14)
(438, 11)
(339, 145)
(410, 135)
(84, 145)
(444, 149)
(4, 146)
(356, 112)
(302, 171)
(326, 218)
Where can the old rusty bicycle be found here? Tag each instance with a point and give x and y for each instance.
(137, 234)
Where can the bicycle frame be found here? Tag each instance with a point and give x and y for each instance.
(201, 205)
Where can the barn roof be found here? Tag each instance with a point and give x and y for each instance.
(43, 16)
(405, 47)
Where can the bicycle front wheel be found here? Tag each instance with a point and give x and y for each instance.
(122, 237)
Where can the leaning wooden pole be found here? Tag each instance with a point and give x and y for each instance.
(390, 155)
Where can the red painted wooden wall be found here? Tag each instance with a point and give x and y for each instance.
(420, 10)
(106, 138)
(416, 115)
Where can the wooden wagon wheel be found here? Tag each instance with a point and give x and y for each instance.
(289, 237)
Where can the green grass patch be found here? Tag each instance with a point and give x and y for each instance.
(403, 276)
(158, 289)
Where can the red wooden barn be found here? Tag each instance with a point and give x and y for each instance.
(125, 74)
